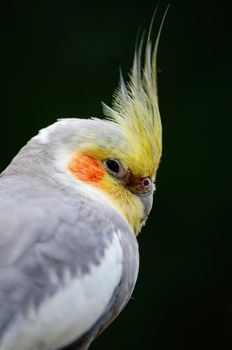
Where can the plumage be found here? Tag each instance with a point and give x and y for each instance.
(64, 246)
(71, 204)
(135, 109)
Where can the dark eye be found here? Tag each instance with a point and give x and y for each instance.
(114, 167)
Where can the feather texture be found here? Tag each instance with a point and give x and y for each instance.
(135, 108)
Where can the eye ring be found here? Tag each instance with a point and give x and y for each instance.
(114, 167)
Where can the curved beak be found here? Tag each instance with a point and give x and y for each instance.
(147, 200)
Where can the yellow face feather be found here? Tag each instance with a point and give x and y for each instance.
(88, 167)
(128, 204)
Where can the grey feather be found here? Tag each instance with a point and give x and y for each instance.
(44, 231)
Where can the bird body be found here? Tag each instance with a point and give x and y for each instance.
(71, 204)
(58, 272)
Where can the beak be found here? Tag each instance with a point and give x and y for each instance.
(147, 200)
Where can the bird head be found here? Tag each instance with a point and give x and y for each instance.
(118, 156)
(123, 164)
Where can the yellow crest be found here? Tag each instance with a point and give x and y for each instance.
(135, 109)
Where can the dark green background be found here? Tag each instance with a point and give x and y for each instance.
(60, 60)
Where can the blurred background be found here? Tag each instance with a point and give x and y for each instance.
(60, 59)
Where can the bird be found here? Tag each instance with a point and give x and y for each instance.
(72, 203)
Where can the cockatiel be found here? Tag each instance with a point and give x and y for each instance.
(71, 204)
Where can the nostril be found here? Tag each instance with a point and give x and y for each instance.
(146, 182)
(142, 186)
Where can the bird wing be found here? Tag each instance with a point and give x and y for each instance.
(54, 258)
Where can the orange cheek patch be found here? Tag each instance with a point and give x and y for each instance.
(86, 168)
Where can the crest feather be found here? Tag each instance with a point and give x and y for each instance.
(135, 108)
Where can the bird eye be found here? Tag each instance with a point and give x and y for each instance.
(114, 167)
